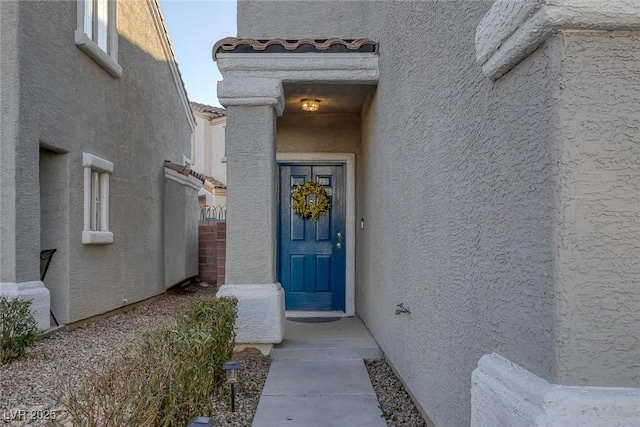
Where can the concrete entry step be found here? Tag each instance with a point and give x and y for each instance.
(318, 393)
(318, 378)
(347, 338)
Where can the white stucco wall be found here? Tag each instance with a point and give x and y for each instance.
(598, 206)
(209, 154)
(19, 245)
(9, 94)
(470, 191)
(457, 201)
(302, 19)
(456, 198)
(68, 103)
(54, 227)
(250, 252)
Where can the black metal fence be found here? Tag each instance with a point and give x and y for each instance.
(213, 213)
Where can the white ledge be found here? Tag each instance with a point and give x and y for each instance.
(249, 91)
(260, 312)
(505, 394)
(97, 163)
(357, 68)
(102, 58)
(513, 29)
(90, 237)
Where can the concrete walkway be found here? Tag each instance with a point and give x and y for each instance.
(318, 378)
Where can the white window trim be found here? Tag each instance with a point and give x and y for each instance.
(108, 61)
(105, 167)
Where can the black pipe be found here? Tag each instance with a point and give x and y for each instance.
(233, 398)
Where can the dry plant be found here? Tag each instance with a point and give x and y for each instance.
(17, 328)
(165, 377)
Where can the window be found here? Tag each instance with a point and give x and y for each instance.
(97, 35)
(96, 22)
(97, 173)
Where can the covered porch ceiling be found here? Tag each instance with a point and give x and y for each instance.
(334, 98)
(340, 73)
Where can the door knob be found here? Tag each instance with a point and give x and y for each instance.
(338, 245)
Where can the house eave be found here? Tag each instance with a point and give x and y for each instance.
(358, 68)
(171, 60)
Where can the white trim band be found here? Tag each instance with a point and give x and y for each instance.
(251, 91)
(357, 68)
(90, 237)
(505, 394)
(513, 29)
(96, 163)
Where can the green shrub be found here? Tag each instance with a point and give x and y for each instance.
(215, 317)
(165, 377)
(17, 328)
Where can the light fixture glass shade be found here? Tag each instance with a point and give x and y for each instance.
(232, 376)
(231, 368)
(310, 105)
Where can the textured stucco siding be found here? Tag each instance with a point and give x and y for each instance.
(598, 223)
(54, 227)
(21, 245)
(251, 260)
(455, 189)
(503, 215)
(330, 133)
(69, 102)
(10, 104)
(458, 206)
(302, 19)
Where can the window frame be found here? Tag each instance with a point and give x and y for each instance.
(97, 176)
(106, 59)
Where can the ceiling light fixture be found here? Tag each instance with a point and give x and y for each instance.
(310, 104)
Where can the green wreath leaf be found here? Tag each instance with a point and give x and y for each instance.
(305, 208)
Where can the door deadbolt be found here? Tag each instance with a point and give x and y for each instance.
(339, 234)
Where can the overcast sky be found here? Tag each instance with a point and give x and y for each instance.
(194, 26)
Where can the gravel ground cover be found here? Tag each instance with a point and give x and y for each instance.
(29, 387)
(397, 407)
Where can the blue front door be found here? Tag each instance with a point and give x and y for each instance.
(311, 254)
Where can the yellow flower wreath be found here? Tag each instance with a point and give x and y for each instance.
(310, 210)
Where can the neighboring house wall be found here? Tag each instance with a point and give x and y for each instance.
(209, 154)
(68, 104)
(502, 214)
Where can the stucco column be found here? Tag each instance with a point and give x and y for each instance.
(253, 105)
(592, 48)
(19, 187)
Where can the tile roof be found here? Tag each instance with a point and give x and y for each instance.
(183, 170)
(208, 179)
(277, 45)
(208, 110)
